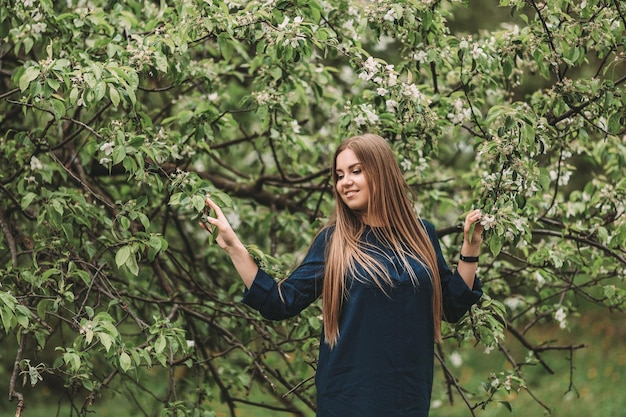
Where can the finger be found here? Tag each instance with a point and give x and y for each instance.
(210, 203)
(474, 216)
(206, 227)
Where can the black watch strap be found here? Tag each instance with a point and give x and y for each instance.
(470, 259)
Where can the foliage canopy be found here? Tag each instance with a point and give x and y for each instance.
(118, 117)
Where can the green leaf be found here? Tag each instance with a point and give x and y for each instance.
(495, 244)
(125, 361)
(27, 199)
(119, 153)
(224, 42)
(122, 255)
(106, 340)
(114, 95)
(160, 344)
(131, 264)
(29, 75)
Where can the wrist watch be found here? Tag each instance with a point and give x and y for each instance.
(469, 259)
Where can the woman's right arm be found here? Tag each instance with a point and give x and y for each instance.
(228, 240)
(275, 301)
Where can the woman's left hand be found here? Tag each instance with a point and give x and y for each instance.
(473, 238)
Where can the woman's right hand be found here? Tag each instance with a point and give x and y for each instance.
(227, 238)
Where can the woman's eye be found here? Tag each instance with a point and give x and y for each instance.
(339, 177)
(356, 171)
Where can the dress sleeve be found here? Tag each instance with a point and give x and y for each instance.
(277, 301)
(456, 296)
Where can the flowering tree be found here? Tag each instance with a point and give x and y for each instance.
(118, 117)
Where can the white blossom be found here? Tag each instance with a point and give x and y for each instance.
(372, 117)
(460, 113)
(487, 221)
(539, 278)
(295, 127)
(35, 164)
(560, 316)
(455, 359)
(514, 302)
(370, 64)
(381, 91)
(391, 105)
(360, 120)
(390, 16)
(107, 148)
(39, 27)
(284, 24)
(350, 29)
(367, 115)
(420, 56)
(393, 75)
(412, 91)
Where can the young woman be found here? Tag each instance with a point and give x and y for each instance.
(384, 283)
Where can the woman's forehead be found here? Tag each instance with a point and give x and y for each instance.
(346, 159)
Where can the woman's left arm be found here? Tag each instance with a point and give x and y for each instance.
(472, 239)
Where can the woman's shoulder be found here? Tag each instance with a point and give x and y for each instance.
(325, 233)
(429, 226)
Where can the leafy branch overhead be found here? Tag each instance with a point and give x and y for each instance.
(117, 118)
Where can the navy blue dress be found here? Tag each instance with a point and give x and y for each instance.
(382, 365)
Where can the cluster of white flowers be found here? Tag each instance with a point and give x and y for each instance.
(38, 27)
(411, 90)
(246, 19)
(495, 381)
(139, 56)
(351, 32)
(264, 97)
(107, 149)
(180, 177)
(35, 164)
(508, 382)
(421, 56)
(370, 67)
(460, 114)
(391, 105)
(489, 348)
(366, 115)
(456, 359)
(514, 302)
(391, 15)
(562, 176)
(295, 126)
(561, 317)
(478, 52)
(539, 279)
(293, 34)
(488, 221)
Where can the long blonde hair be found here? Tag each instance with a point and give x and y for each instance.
(400, 229)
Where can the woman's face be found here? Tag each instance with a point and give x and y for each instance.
(352, 186)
